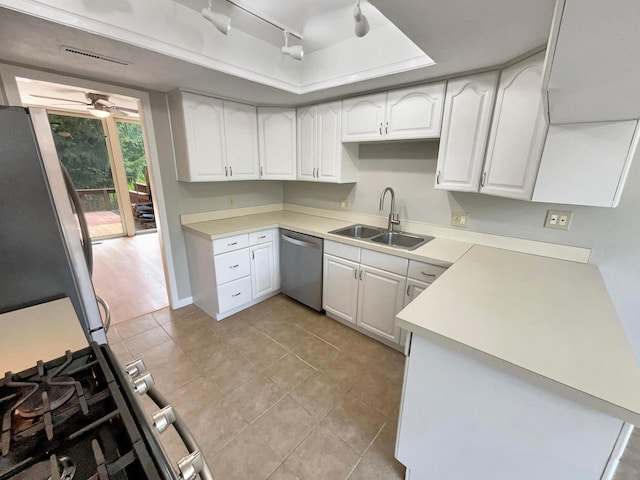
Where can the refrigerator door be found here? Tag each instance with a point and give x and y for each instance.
(41, 256)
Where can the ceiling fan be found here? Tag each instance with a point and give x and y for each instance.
(97, 104)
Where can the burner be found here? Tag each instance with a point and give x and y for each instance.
(57, 393)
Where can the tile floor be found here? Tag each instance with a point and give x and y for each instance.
(276, 392)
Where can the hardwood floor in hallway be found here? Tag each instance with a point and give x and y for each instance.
(128, 274)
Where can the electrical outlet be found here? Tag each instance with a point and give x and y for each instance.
(459, 219)
(344, 205)
(231, 200)
(557, 219)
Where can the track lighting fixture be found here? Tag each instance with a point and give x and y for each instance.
(219, 20)
(362, 24)
(294, 51)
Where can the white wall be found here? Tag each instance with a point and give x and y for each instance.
(612, 234)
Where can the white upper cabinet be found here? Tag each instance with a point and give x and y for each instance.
(465, 127)
(405, 114)
(214, 140)
(518, 132)
(241, 134)
(277, 142)
(197, 125)
(363, 117)
(414, 112)
(321, 155)
(306, 159)
(586, 163)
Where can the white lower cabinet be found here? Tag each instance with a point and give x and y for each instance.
(232, 273)
(361, 290)
(263, 269)
(380, 298)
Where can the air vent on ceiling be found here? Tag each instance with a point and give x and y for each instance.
(95, 56)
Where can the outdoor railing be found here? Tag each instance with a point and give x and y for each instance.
(97, 199)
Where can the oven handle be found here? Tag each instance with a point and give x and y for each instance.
(184, 432)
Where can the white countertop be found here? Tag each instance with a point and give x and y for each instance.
(41, 332)
(551, 319)
(438, 251)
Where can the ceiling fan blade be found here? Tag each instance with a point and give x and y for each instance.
(124, 110)
(58, 98)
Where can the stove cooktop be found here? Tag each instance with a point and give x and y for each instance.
(73, 418)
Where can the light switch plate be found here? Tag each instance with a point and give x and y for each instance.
(558, 219)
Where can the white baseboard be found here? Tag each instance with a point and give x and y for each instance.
(181, 302)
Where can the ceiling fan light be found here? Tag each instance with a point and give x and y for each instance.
(219, 20)
(96, 112)
(362, 24)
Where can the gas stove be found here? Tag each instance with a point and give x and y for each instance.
(76, 417)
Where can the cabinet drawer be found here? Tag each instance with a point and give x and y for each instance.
(234, 294)
(263, 236)
(383, 261)
(228, 244)
(424, 272)
(342, 250)
(231, 266)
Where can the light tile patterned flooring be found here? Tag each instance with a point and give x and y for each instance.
(276, 392)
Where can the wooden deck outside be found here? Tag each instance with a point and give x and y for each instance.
(104, 224)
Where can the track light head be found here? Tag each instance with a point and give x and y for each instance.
(219, 20)
(294, 51)
(362, 24)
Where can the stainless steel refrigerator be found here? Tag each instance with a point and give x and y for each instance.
(41, 250)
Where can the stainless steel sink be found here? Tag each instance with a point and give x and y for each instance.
(361, 232)
(401, 240)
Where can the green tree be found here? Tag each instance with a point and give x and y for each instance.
(81, 147)
(132, 147)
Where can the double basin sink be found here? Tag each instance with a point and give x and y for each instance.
(407, 241)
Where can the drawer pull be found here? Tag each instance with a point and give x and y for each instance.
(261, 237)
(235, 266)
(236, 294)
(232, 244)
(408, 290)
(428, 274)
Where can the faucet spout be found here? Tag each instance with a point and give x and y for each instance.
(393, 216)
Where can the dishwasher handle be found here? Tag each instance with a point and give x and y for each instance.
(295, 241)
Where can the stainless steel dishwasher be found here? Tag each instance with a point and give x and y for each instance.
(301, 267)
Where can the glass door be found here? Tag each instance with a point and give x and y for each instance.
(135, 166)
(80, 143)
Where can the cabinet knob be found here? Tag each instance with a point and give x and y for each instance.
(360, 274)
(408, 290)
(236, 294)
(231, 171)
(355, 274)
(484, 178)
(386, 128)
(226, 172)
(428, 274)
(232, 244)
(438, 178)
(380, 128)
(261, 171)
(262, 236)
(235, 266)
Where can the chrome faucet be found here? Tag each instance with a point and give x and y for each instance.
(393, 216)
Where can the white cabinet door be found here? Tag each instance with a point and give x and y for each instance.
(340, 288)
(263, 274)
(414, 112)
(306, 117)
(277, 140)
(465, 127)
(328, 144)
(204, 131)
(241, 133)
(413, 289)
(518, 132)
(380, 298)
(363, 117)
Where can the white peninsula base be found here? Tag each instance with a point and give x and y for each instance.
(463, 419)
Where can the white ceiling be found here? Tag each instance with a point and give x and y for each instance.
(460, 35)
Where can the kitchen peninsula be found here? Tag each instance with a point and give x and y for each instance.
(518, 368)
